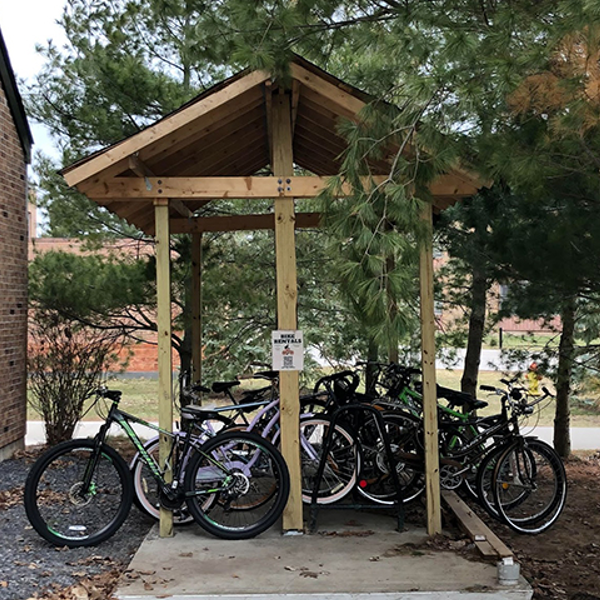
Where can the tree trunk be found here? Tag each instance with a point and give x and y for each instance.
(393, 354)
(468, 383)
(566, 350)
(371, 371)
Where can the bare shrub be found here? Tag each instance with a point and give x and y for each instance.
(66, 363)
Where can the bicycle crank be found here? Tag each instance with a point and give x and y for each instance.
(452, 474)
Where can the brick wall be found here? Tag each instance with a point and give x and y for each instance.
(13, 282)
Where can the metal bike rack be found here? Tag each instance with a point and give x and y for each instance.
(398, 505)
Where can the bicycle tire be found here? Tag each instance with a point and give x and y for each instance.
(59, 512)
(485, 476)
(530, 486)
(341, 466)
(375, 482)
(253, 464)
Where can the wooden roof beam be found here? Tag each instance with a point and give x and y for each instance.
(198, 188)
(239, 223)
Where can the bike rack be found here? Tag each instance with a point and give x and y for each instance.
(398, 505)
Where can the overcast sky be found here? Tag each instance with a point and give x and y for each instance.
(24, 24)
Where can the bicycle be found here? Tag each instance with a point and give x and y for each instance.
(80, 492)
(523, 483)
(340, 472)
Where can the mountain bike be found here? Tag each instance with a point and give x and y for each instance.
(80, 492)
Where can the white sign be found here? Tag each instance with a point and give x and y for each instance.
(288, 350)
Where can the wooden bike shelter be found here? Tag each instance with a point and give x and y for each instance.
(210, 149)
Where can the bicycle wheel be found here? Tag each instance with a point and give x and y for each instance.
(375, 482)
(455, 444)
(313, 404)
(236, 485)
(341, 466)
(61, 510)
(485, 476)
(530, 486)
(147, 489)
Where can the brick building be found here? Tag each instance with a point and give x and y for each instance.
(15, 155)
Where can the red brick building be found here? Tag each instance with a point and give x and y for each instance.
(15, 155)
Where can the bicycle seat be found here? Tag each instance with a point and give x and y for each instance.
(456, 398)
(197, 413)
(270, 375)
(223, 386)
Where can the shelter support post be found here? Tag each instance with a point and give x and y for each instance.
(165, 368)
(287, 296)
(432, 470)
(197, 307)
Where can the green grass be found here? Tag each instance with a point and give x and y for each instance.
(522, 340)
(140, 397)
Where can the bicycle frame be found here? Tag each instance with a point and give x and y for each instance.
(170, 489)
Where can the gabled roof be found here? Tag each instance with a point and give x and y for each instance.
(226, 132)
(15, 104)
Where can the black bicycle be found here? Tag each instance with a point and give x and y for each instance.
(79, 492)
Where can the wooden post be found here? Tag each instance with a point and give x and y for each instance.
(165, 368)
(432, 468)
(196, 307)
(287, 296)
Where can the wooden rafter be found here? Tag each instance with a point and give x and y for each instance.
(269, 119)
(333, 96)
(206, 146)
(229, 148)
(295, 99)
(203, 128)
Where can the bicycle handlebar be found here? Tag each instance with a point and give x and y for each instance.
(515, 396)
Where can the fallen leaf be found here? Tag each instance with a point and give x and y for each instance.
(310, 574)
(79, 593)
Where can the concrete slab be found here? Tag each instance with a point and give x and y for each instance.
(354, 556)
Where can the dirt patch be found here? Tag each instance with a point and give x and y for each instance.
(564, 562)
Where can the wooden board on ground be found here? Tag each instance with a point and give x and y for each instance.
(486, 541)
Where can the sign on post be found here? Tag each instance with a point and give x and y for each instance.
(288, 350)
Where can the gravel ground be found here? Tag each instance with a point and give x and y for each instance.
(32, 568)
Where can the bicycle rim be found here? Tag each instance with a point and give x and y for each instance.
(253, 483)
(341, 464)
(58, 506)
(530, 486)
